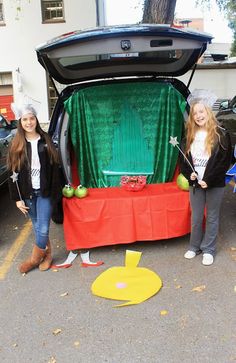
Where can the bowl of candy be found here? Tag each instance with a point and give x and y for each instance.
(133, 183)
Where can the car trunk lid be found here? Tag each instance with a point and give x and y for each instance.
(122, 51)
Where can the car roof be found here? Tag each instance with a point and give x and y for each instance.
(118, 51)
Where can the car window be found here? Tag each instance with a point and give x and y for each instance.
(4, 131)
(3, 122)
(232, 103)
(78, 62)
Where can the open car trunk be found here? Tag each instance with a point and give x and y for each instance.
(123, 128)
(116, 118)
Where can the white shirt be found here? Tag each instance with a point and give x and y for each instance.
(199, 153)
(35, 164)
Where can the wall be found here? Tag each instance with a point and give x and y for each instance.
(20, 37)
(219, 77)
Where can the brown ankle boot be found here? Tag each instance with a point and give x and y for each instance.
(47, 261)
(33, 261)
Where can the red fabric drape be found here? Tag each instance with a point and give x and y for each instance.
(111, 216)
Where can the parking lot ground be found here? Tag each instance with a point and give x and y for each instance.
(52, 316)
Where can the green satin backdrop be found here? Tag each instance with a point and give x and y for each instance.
(124, 129)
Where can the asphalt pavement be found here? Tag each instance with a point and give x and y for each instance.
(53, 317)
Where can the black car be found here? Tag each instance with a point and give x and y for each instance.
(121, 103)
(227, 117)
(105, 60)
(7, 131)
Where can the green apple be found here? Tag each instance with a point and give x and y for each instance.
(68, 191)
(182, 182)
(81, 191)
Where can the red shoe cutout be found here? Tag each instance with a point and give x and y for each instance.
(62, 266)
(94, 264)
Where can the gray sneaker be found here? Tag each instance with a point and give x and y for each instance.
(189, 254)
(207, 259)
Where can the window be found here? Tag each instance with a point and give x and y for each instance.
(52, 11)
(2, 22)
(52, 96)
(5, 79)
(52, 93)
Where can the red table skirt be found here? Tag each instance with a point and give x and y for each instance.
(111, 216)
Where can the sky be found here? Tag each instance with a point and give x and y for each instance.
(130, 11)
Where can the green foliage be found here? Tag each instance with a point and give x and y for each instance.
(233, 47)
(223, 4)
(228, 7)
(231, 16)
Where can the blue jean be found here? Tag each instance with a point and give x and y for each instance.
(40, 210)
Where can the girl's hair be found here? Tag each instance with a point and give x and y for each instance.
(17, 154)
(211, 127)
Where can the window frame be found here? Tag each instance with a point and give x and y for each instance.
(52, 19)
(2, 17)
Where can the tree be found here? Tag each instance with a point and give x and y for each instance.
(231, 15)
(233, 47)
(228, 7)
(222, 4)
(163, 11)
(159, 11)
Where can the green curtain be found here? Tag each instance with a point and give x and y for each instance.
(124, 129)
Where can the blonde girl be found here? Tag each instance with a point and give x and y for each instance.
(208, 149)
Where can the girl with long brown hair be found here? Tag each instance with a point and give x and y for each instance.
(208, 149)
(34, 182)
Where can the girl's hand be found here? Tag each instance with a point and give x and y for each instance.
(202, 184)
(21, 205)
(193, 176)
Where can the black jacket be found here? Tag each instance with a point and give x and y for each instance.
(50, 178)
(217, 164)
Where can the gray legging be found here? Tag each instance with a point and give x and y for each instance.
(205, 240)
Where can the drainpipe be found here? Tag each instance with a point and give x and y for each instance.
(100, 13)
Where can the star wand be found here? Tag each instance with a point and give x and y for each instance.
(174, 142)
(14, 178)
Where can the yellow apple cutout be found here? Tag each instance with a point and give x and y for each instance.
(131, 283)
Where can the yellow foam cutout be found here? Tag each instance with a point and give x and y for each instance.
(131, 283)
